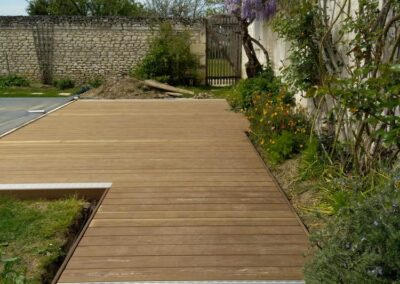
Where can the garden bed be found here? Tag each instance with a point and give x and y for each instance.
(35, 237)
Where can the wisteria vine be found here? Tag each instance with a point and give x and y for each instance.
(251, 10)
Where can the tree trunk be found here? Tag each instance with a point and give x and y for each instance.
(253, 66)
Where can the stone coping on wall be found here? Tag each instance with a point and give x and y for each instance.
(87, 21)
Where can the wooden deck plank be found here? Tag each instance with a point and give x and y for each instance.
(103, 214)
(188, 194)
(194, 250)
(193, 240)
(195, 230)
(197, 207)
(182, 274)
(183, 200)
(183, 261)
(191, 199)
(189, 222)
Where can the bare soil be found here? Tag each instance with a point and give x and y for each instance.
(302, 194)
(126, 88)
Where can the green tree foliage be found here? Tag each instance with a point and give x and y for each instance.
(188, 9)
(85, 7)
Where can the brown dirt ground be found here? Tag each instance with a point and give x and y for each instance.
(127, 88)
(132, 88)
(302, 194)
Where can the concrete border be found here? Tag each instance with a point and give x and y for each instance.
(88, 191)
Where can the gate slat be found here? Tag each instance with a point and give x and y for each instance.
(223, 50)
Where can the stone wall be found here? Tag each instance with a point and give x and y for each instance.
(81, 48)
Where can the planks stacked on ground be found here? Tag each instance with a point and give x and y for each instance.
(191, 199)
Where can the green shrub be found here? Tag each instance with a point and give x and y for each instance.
(280, 148)
(361, 243)
(64, 83)
(95, 82)
(169, 58)
(13, 81)
(277, 126)
(264, 84)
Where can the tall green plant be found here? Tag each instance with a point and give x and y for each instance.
(299, 24)
(169, 58)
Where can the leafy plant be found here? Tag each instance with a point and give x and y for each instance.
(280, 148)
(169, 58)
(356, 101)
(63, 84)
(13, 81)
(96, 82)
(312, 162)
(278, 126)
(299, 25)
(242, 96)
(128, 8)
(360, 244)
(10, 275)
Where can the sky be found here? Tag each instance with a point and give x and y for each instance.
(12, 7)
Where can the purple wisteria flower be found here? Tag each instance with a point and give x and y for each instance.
(252, 9)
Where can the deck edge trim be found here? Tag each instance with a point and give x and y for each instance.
(36, 119)
(194, 282)
(54, 186)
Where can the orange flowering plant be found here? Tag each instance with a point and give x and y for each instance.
(277, 125)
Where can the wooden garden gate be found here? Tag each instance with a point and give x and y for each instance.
(224, 50)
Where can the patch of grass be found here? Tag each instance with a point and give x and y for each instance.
(216, 92)
(221, 92)
(33, 92)
(220, 67)
(32, 234)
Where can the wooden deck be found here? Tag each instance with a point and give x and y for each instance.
(191, 199)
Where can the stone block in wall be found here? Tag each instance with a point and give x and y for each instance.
(83, 46)
(198, 49)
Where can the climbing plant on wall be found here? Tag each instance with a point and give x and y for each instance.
(43, 35)
(346, 58)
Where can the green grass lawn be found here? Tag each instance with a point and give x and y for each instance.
(218, 67)
(216, 92)
(34, 91)
(32, 234)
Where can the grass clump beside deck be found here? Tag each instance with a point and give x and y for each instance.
(16, 86)
(35, 91)
(32, 236)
